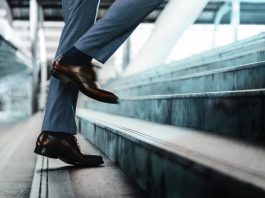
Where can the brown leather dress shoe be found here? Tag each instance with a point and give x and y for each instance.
(66, 149)
(84, 78)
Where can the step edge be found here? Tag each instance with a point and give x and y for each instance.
(217, 94)
(36, 185)
(223, 168)
(198, 75)
(189, 65)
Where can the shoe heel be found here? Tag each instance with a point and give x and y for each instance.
(61, 77)
(45, 152)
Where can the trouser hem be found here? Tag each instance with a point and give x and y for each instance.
(60, 130)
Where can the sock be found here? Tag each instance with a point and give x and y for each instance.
(76, 57)
(57, 134)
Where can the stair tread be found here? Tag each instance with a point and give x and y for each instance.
(216, 152)
(184, 64)
(248, 92)
(18, 162)
(62, 180)
(195, 75)
(17, 158)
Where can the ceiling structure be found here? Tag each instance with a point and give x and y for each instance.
(252, 11)
(53, 12)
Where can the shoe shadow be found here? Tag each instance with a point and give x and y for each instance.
(68, 167)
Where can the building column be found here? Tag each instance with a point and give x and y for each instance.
(38, 50)
(126, 53)
(173, 21)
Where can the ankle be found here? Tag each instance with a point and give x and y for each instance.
(57, 134)
(77, 58)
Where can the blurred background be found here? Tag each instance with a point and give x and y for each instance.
(30, 32)
(191, 79)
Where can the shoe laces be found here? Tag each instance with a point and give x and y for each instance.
(76, 143)
(85, 156)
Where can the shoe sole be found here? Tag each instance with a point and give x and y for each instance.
(66, 79)
(46, 153)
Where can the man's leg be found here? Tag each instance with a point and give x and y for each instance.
(103, 38)
(100, 42)
(79, 16)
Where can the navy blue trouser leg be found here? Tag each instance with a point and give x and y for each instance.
(61, 104)
(99, 40)
(104, 38)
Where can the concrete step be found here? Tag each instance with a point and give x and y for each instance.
(5, 46)
(230, 50)
(24, 174)
(188, 67)
(53, 178)
(242, 52)
(8, 58)
(236, 44)
(11, 59)
(17, 158)
(250, 76)
(233, 113)
(168, 161)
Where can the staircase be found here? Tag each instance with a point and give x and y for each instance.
(15, 82)
(24, 174)
(193, 128)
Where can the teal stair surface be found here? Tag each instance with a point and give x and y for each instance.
(191, 128)
(27, 175)
(250, 76)
(234, 113)
(206, 61)
(168, 161)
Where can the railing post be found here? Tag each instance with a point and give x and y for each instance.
(33, 37)
(126, 53)
(43, 61)
(235, 17)
(224, 9)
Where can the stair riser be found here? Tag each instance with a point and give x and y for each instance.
(241, 79)
(238, 116)
(236, 50)
(236, 45)
(233, 52)
(218, 54)
(164, 73)
(160, 173)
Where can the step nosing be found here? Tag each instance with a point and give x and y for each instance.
(197, 75)
(178, 147)
(225, 58)
(218, 94)
(174, 150)
(176, 66)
